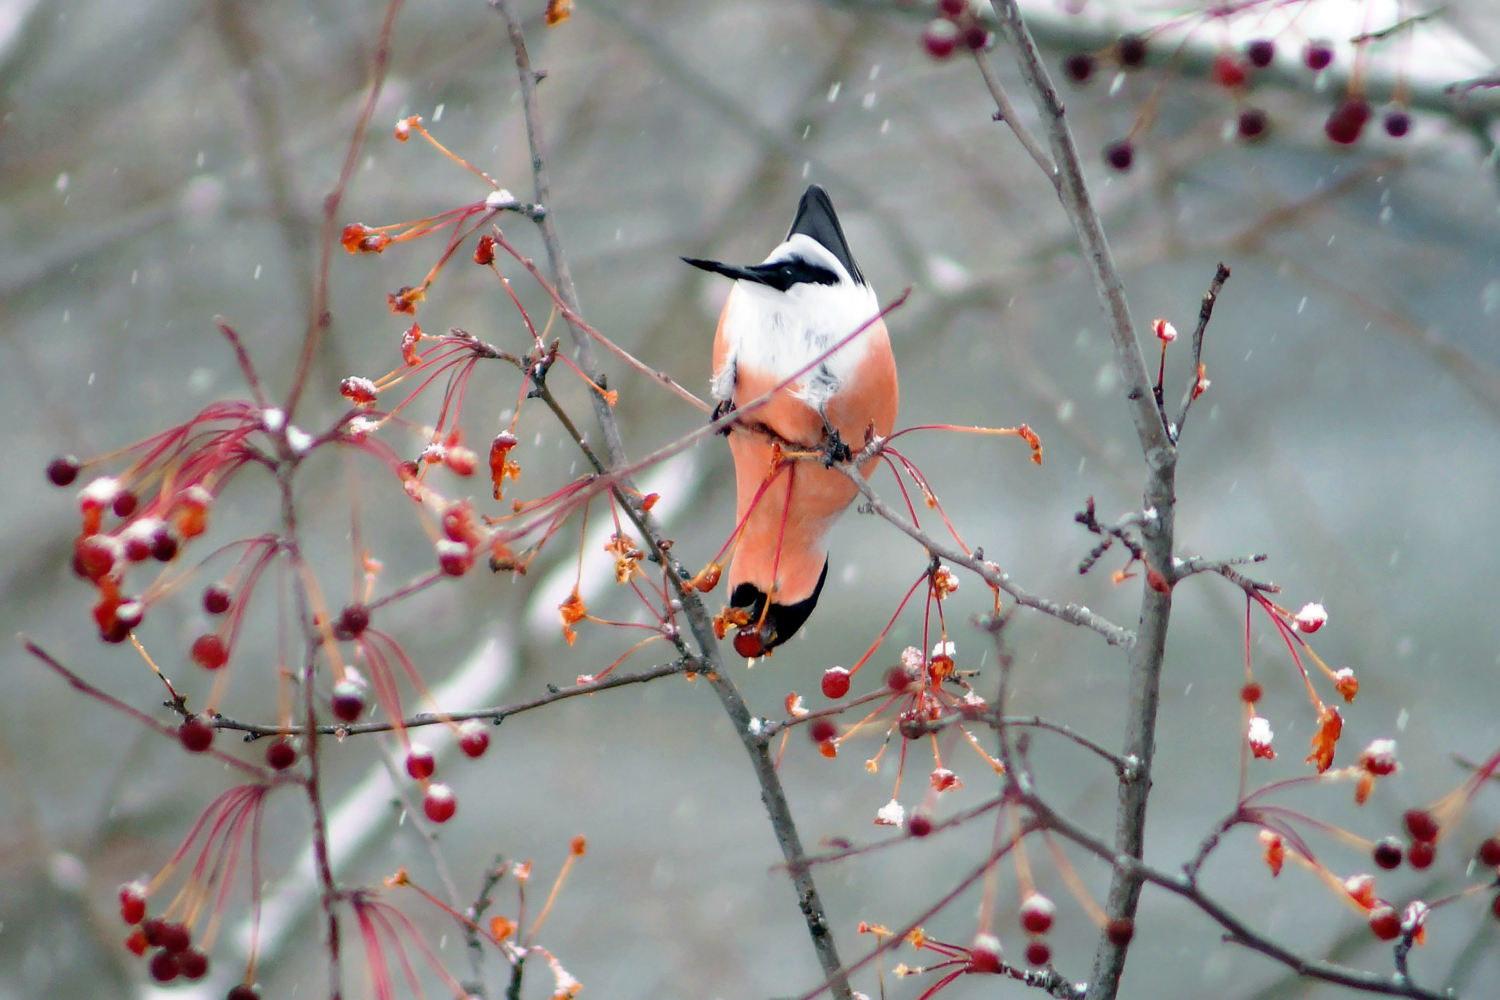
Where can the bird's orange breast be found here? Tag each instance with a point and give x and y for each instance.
(783, 546)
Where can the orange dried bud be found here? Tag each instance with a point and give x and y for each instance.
(501, 928)
(190, 517)
(943, 582)
(1361, 889)
(1120, 576)
(917, 938)
(1259, 736)
(1029, 436)
(572, 611)
(1363, 788)
(409, 341)
(503, 559)
(577, 846)
(500, 464)
(1275, 851)
(942, 666)
(403, 128)
(484, 250)
(1346, 682)
(707, 579)
(359, 238)
(405, 300)
(1156, 581)
(359, 391)
(400, 878)
(1200, 386)
(943, 779)
(794, 706)
(649, 500)
(730, 618)
(828, 748)
(1325, 740)
(558, 11)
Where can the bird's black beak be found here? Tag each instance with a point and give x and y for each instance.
(727, 270)
(776, 624)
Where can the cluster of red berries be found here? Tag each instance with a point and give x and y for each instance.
(1232, 70)
(1037, 914)
(957, 24)
(175, 955)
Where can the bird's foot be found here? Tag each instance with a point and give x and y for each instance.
(834, 449)
(726, 406)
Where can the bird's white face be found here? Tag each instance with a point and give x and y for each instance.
(777, 333)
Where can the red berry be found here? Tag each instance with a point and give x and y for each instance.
(455, 558)
(897, 679)
(164, 967)
(348, 700)
(1385, 922)
(125, 503)
(1131, 51)
(196, 735)
(94, 556)
(473, 739)
(835, 682)
(984, 954)
(911, 725)
(209, 652)
(1421, 855)
(1495, 906)
(1489, 852)
(281, 754)
(129, 615)
(193, 963)
(1120, 931)
(920, 824)
(1397, 123)
(1317, 55)
(822, 729)
(1228, 71)
(439, 803)
(1387, 853)
(1037, 953)
(952, 8)
(1250, 693)
(352, 622)
(174, 937)
(63, 470)
(976, 37)
(216, 598)
(1120, 154)
(1421, 825)
(1260, 52)
(420, 762)
(133, 902)
(1347, 121)
(1037, 913)
(164, 544)
(1080, 66)
(151, 930)
(243, 991)
(940, 38)
(1252, 125)
(747, 643)
(136, 942)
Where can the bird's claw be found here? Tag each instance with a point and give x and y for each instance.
(835, 451)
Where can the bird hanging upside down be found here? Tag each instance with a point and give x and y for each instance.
(781, 315)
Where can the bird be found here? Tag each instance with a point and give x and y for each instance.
(780, 316)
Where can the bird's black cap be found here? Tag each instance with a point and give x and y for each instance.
(817, 219)
(781, 621)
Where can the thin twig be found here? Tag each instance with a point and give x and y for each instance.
(772, 794)
(496, 715)
(1197, 383)
(1073, 614)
